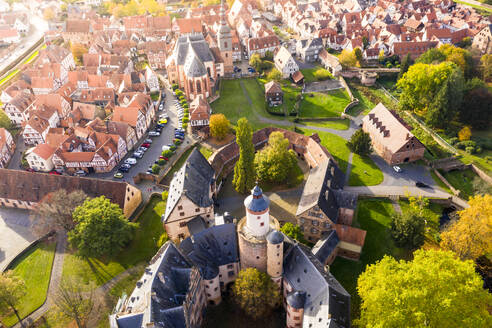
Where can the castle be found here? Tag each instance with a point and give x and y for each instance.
(181, 281)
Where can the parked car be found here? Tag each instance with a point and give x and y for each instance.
(158, 128)
(421, 184)
(148, 140)
(146, 145)
(138, 154)
(118, 175)
(251, 70)
(161, 116)
(179, 136)
(130, 161)
(81, 173)
(154, 134)
(54, 172)
(161, 106)
(123, 169)
(397, 169)
(164, 158)
(179, 130)
(163, 121)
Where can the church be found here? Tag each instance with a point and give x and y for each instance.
(181, 281)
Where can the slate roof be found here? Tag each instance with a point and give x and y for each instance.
(256, 202)
(196, 225)
(275, 237)
(304, 272)
(211, 248)
(296, 299)
(325, 246)
(321, 188)
(193, 45)
(193, 180)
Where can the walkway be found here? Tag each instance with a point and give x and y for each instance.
(56, 274)
(349, 167)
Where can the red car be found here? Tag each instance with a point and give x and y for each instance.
(146, 145)
(54, 173)
(164, 158)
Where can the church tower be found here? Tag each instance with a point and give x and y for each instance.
(224, 40)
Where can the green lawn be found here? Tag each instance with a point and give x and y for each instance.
(336, 145)
(364, 172)
(141, 249)
(34, 268)
(335, 124)
(330, 104)
(206, 152)
(485, 11)
(364, 106)
(467, 182)
(316, 74)
(439, 182)
(374, 216)
(291, 91)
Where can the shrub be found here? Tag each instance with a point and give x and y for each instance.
(155, 169)
(186, 110)
(465, 144)
(453, 141)
(162, 162)
(185, 106)
(167, 153)
(478, 149)
(162, 240)
(185, 125)
(470, 150)
(174, 86)
(186, 119)
(177, 142)
(164, 195)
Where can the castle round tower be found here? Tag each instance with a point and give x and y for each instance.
(253, 230)
(295, 308)
(275, 255)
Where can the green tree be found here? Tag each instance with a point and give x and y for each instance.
(5, 120)
(476, 110)
(156, 168)
(165, 195)
(358, 54)
(405, 64)
(424, 292)
(75, 300)
(256, 293)
(486, 67)
(365, 42)
(274, 74)
(360, 143)
(431, 56)
(293, 231)
(471, 236)
(407, 229)
(219, 126)
(244, 170)
(55, 211)
(101, 228)
(12, 289)
(275, 162)
(446, 52)
(255, 61)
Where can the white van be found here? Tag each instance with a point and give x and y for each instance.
(131, 161)
(164, 148)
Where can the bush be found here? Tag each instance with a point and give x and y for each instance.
(164, 195)
(177, 142)
(162, 240)
(465, 144)
(186, 110)
(167, 153)
(161, 162)
(178, 93)
(174, 86)
(470, 150)
(186, 119)
(185, 106)
(185, 125)
(478, 149)
(453, 141)
(155, 169)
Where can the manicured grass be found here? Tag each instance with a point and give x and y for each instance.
(439, 182)
(9, 76)
(206, 152)
(364, 172)
(315, 74)
(35, 269)
(480, 8)
(467, 182)
(330, 104)
(374, 216)
(141, 249)
(291, 91)
(335, 124)
(336, 145)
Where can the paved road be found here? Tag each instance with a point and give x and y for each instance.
(15, 234)
(411, 174)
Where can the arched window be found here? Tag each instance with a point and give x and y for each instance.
(198, 87)
(191, 86)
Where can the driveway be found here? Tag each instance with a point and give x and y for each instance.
(15, 234)
(411, 174)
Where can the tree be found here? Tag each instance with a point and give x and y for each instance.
(424, 292)
(471, 236)
(446, 52)
(293, 231)
(78, 51)
(256, 293)
(360, 143)
(156, 168)
(244, 170)
(5, 120)
(275, 162)
(407, 229)
(476, 110)
(165, 195)
(347, 58)
(405, 64)
(12, 289)
(464, 134)
(486, 67)
(219, 126)
(274, 74)
(101, 228)
(358, 55)
(381, 56)
(365, 42)
(74, 300)
(255, 61)
(55, 211)
(431, 56)
(465, 42)
(48, 14)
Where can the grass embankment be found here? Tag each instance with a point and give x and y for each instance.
(329, 104)
(34, 268)
(141, 249)
(374, 216)
(467, 182)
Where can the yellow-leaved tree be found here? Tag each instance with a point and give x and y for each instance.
(464, 134)
(471, 236)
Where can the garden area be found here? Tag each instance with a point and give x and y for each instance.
(291, 92)
(329, 104)
(374, 216)
(141, 249)
(37, 281)
(316, 74)
(467, 182)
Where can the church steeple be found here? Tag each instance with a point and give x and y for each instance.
(224, 36)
